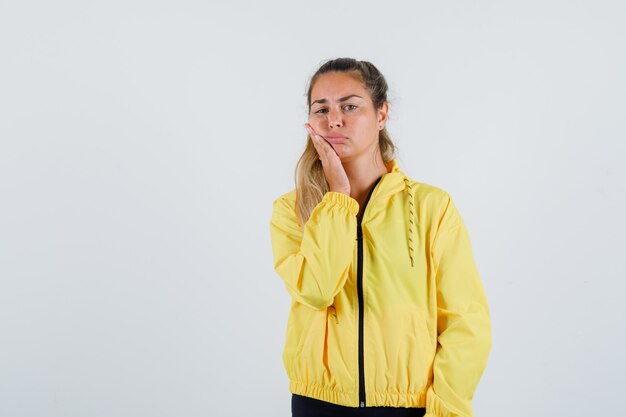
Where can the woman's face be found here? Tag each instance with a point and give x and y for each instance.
(342, 112)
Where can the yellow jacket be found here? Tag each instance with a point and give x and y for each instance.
(389, 311)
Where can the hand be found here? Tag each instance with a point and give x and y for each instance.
(333, 168)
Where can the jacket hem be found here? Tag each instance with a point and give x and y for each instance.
(435, 406)
(322, 393)
(411, 399)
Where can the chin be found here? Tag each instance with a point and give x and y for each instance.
(345, 157)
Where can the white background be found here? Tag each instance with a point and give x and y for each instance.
(143, 142)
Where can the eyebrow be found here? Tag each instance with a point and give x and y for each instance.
(323, 100)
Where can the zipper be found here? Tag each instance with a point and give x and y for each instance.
(359, 234)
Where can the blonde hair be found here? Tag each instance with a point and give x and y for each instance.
(311, 184)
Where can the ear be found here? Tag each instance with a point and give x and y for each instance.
(382, 114)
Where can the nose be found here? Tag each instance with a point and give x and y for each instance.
(334, 119)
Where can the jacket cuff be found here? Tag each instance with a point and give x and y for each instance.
(343, 200)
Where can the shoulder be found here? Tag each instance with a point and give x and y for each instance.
(435, 202)
(430, 195)
(286, 200)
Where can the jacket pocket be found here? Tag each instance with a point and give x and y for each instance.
(421, 351)
(297, 331)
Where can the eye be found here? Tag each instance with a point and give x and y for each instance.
(347, 105)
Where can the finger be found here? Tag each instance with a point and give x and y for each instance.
(317, 141)
(312, 132)
(324, 149)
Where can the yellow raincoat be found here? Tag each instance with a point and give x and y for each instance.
(389, 311)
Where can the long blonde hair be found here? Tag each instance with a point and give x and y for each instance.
(311, 184)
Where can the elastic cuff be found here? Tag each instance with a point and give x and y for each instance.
(342, 199)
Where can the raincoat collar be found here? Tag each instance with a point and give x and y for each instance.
(393, 182)
(390, 183)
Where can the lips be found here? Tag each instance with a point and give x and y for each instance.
(335, 139)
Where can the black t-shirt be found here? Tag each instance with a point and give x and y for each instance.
(302, 406)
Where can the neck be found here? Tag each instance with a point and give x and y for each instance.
(363, 173)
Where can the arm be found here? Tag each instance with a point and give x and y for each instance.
(314, 263)
(463, 321)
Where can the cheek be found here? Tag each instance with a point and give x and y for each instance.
(316, 122)
(364, 123)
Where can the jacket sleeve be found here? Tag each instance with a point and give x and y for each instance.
(314, 262)
(463, 321)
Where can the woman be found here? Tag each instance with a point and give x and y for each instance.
(388, 314)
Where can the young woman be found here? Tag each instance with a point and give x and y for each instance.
(388, 315)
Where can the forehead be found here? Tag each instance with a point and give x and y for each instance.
(333, 85)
